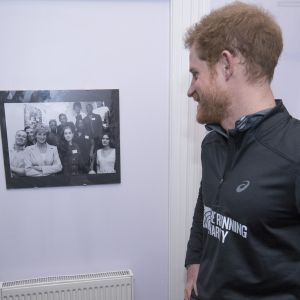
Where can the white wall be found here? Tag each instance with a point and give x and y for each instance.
(69, 230)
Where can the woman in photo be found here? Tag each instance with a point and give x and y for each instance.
(70, 153)
(106, 156)
(41, 159)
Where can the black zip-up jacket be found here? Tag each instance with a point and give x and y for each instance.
(246, 225)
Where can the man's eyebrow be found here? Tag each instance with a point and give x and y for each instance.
(192, 70)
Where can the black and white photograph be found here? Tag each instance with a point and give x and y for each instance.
(60, 137)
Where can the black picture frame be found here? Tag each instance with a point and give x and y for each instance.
(38, 106)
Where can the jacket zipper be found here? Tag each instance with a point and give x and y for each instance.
(230, 155)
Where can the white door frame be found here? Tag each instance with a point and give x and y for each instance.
(185, 142)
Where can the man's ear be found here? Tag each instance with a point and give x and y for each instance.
(227, 63)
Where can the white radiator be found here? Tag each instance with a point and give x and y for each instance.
(98, 286)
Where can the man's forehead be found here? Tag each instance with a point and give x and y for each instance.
(195, 53)
(21, 133)
(195, 63)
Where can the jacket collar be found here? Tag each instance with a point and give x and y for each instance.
(248, 121)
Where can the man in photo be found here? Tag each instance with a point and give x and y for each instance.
(86, 145)
(93, 125)
(63, 123)
(53, 137)
(103, 111)
(16, 154)
(78, 114)
(30, 136)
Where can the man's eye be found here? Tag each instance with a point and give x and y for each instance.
(195, 76)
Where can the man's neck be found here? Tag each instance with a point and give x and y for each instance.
(19, 147)
(249, 101)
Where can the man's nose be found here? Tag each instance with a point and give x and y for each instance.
(190, 91)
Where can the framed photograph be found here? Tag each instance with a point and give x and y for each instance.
(60, 137)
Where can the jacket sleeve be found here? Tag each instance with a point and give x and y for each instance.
(29, 169)
(297, 191)
(195, 244)
(56, 165)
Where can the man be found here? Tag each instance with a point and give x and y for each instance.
(103, 111)
(244, 241)
(93, 125)
(16, 154)
(77, 113)
(86, 145)
(53, 137)
(63, 123)
(30, 136)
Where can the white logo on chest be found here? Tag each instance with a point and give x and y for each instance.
(243, 186)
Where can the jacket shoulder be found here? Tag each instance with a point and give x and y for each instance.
(283, 138)
(212, 137)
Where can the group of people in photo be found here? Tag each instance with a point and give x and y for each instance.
(81, 145)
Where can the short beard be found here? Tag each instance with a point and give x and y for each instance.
(214, 106)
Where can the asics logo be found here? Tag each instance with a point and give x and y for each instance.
(243, 186)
